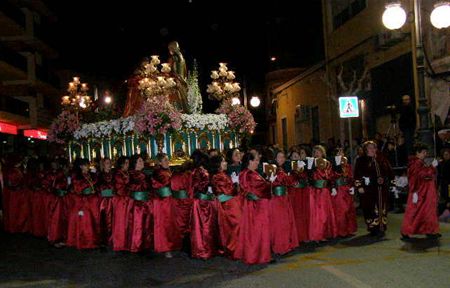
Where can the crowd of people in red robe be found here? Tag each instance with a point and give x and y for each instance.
(234, 206)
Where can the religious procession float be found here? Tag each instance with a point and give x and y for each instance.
(162, 114)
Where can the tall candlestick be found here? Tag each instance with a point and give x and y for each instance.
(102, 151)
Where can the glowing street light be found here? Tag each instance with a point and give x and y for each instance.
(394, 17)
(255, 101)
(440, 16)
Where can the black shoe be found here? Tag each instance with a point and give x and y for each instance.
(405, 238)
(434, 236)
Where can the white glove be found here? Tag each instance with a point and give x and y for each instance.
(69, 180)
(301, 164)
(338, 159)
(333, 192)
(351, 191)
(234, 178)
(272, 177)
(435, 163)
(310, 162)
(210, 190)
(395, 181)
(93, 170)
(366, 180)
(415, 198)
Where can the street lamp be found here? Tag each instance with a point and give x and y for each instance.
(255, 101)
(440, 18)
(394, 17)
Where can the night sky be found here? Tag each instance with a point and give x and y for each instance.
(109, 38)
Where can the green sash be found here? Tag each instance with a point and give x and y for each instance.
(205, 196)
(140, 195)
(341, 181)
(87, 191)
(301, 184)
(224, 198)
(60, 192)
(107, 193)
(180, 194)
(320, 183)
(164, 192)
(279, 190)
(252, 197)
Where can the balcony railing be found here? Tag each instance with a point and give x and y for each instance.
(14, 106)
(13, 58)
(13, 12)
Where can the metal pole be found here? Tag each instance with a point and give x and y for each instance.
(350, 139)
(245, 93)
(425, 132)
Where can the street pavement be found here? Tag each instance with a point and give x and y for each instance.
(357, 262)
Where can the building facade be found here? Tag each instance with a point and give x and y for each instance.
(29, 89)
(364, 59)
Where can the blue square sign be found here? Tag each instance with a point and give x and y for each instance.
(348, 107)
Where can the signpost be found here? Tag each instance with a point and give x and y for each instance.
(349, 108)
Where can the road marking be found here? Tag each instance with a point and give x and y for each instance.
(349, 279)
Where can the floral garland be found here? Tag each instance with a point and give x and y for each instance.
(63, 127)
(105, 128)
(239, 118)
(205, 121)
(157, 116)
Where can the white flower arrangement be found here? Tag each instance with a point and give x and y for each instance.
(105, 128)
(205, 121)
(123, 126)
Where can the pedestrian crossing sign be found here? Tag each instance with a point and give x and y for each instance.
(348, 107)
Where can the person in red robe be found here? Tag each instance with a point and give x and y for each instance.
(343, 205)
(283, 229)
(17, 208)
(421, 209)
(254, 237)
(167, 236)
(38, 198)
(56, 185)
(140, 217)
(83, 214)
(322, 221)
(299, 195)
(228, 205)
(120, 224)
(204, 230)
(180, 183)
(105, 187)
(372, 177)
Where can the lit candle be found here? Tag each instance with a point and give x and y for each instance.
(155, 60)
(165, 68)
(214, 74)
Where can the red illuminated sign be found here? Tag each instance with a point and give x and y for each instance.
(37, 134)
(8, 128)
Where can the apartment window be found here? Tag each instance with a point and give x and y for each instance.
(344, 10)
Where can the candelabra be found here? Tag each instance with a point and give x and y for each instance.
(155, 82)
(223, 85)
(78, 97)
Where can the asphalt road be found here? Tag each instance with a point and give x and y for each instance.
(358, 262)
